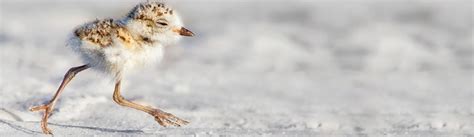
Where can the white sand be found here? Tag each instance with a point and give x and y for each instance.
(261, 68)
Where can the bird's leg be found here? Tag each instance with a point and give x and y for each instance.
(163, 118)
(48, 108)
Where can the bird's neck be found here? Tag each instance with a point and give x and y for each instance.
(137, 32)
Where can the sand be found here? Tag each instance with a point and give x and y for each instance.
(255, 68)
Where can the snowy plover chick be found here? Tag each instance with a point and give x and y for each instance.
(116, 46)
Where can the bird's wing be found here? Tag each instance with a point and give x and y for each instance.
(98, 32)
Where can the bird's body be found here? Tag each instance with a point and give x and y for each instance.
(109, 46)
(116, 46)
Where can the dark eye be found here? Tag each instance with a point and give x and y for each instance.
(162, 23)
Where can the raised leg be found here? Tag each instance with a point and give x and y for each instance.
(163, 118)
(48, 108)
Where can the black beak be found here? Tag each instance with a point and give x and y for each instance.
(185, 32)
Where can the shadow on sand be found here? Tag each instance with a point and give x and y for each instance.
(29, 131)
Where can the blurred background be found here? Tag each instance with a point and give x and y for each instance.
(255, 67)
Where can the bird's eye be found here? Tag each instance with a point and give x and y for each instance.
(162, 23)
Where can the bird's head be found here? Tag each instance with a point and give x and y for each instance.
(157, 22)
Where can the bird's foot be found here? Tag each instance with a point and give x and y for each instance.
(48, 108)
(166, 119)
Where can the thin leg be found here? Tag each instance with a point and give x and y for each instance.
(48, 108)
(163, 118)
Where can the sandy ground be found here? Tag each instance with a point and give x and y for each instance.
(255, 68)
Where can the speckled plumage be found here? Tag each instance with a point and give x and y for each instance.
(118, 45)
